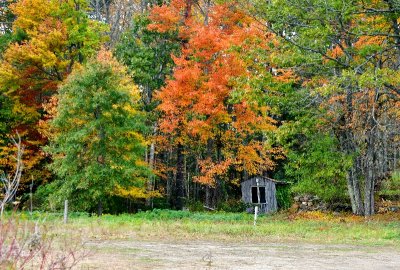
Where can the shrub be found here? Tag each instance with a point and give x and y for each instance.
(391, 187)
(195, 206)
(234, 206)
(26, 244)
(283, 196)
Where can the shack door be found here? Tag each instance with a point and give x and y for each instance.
(254, 195)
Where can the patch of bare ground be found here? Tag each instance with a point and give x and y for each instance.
(190, 255)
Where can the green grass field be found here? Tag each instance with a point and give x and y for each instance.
(313, 227)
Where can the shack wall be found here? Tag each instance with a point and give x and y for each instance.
(271, 204)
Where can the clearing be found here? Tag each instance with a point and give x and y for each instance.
(145, 254)
(165, 239)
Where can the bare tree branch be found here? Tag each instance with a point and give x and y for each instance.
(11, 184)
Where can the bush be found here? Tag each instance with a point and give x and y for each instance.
(159, 214)
(26, 244)
(391, 187)
(195, 206)
(283, 196)
(233, 206)
(319, 169)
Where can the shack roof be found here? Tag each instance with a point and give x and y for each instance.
(268, 179)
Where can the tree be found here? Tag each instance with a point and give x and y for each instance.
(117, 14)
(147, 55)
(97, 147)
(47, 39)
(6, 20)
(352, 66)
(9, 183)
(313, 163)
(210, 106)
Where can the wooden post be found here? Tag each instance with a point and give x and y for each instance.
(255, 214)
(65, 211)
(258, 201)
(30, 196)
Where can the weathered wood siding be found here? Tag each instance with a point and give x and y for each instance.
(271, 204)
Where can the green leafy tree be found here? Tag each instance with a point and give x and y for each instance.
(97, 147)
(351, 61)
(147, 54)
(6, 116)
(6, 20)
(314, 164)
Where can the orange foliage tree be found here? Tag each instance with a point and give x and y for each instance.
(210, 109)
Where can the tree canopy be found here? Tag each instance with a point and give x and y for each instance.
(203, 95)
(97, 144)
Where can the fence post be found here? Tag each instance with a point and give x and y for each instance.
(255, 214)
(30, 196)
(65, 211)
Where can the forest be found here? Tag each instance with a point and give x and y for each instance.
(128, 105)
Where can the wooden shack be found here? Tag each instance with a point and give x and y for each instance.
(261, 191)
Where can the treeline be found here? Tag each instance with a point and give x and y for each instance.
(130, 104)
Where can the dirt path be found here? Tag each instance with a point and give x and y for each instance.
(239, 256)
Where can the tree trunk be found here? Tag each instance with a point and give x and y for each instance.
(396, 29)
(208, 196)
(370, 174)
(150, 180)
(215, 193)
(353, 185)
(180, 181)
(349, 146)
(218, 182)
(100, 208)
